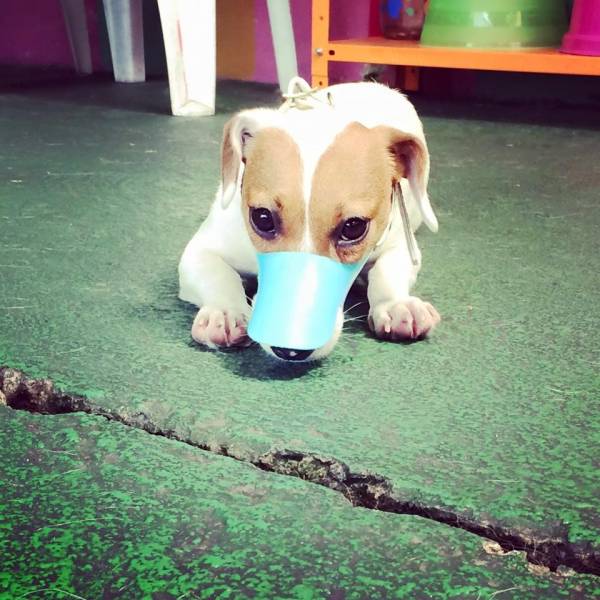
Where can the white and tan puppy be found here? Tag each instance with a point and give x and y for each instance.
(319, 177)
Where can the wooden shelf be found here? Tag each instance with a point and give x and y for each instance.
(379, 50)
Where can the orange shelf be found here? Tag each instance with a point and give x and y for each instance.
(379, 50)
(412, 54)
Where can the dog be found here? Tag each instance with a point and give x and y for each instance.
(340, 172)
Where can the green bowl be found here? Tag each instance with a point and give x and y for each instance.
(495, 23)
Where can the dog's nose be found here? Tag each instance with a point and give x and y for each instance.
(291, 354)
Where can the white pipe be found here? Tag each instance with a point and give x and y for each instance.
(76, 23)
(282, 32)
(126, 37)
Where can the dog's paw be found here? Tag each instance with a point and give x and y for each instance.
(220, 328)
(409, 319)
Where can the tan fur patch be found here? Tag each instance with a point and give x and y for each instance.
(353, 178)
(273, 180)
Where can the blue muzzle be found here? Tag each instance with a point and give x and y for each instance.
(299, 295)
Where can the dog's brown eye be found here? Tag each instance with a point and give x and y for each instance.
(353, 230)
(263, 222)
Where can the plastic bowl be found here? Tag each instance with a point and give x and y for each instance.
(584, 34)
(298, 299)
(495, 23)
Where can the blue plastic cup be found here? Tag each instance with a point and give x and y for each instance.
(299, 296)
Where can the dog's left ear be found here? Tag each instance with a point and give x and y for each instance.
(237, 141)
(411, 160)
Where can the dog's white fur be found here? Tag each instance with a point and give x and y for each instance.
(222, 249)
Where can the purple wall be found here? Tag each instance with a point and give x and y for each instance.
(348, 19)
(32, 32)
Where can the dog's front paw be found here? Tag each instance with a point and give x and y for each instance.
(220, 328)
(409, 319)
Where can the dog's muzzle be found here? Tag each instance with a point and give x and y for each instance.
(299, 296)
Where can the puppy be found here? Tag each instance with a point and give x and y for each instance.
(340, 172)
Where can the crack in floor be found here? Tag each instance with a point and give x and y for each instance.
(367, 490)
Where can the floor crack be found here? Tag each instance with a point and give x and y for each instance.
(367, 490)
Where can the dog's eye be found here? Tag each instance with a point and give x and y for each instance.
(263, 222)
(353, 230)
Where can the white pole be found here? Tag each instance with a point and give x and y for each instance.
(75, 21)
(284, 46)
(126, 37)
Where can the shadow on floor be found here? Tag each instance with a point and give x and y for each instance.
(61, 85)
(174, 317)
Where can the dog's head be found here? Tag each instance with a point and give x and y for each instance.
(316, 184)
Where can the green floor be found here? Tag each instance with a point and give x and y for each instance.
(493, 422)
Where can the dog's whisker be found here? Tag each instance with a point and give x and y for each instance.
(355, 305)
(359, 318)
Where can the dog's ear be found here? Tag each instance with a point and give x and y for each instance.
(237, 141)
(410, 159)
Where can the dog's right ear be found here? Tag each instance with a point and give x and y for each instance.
(410, 157)
(237, 141)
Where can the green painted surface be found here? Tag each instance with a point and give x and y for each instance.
(496, 414)
(118, 513)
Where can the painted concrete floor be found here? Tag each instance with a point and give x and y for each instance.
(492, 424)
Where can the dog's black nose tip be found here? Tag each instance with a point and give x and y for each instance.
(290, 353)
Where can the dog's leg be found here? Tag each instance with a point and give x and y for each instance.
(394, 314)
(207, 281)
